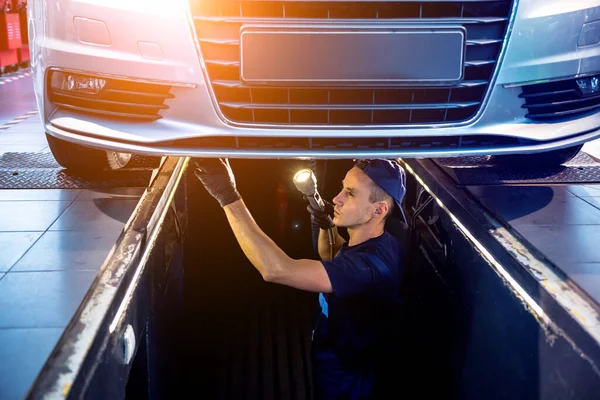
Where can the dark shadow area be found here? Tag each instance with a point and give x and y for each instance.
(469, 170)
(510, 203)
(487, 170)
(247, 338)
(119, 209)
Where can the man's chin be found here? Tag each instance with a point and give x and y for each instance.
(337, 222)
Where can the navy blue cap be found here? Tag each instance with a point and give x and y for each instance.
(389, 176)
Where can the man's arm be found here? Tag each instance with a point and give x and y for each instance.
(272, 262)
(323, 243)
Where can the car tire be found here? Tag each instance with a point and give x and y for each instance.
(82, 159)
(546, 159)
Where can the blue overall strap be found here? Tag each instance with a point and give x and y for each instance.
(379, 265)
(324, 305)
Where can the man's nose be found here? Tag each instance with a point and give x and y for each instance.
(336, 200)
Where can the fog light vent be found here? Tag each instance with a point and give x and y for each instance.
(589, 86)
(568, 98)
(113, 98)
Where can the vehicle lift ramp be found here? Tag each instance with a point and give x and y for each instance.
(490, 313)
(502, 307)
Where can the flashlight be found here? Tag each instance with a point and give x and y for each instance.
(306, 182)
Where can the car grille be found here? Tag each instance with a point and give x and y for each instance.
(119, 99)
(218, 25)
(557, 100)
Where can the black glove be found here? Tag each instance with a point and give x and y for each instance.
(320, 218)
(218, 179)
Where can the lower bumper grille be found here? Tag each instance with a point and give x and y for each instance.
(470, 142)
(558, 100)
(218, 26)
(112, 98)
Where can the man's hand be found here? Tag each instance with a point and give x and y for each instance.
(218, 179)
(322, 218)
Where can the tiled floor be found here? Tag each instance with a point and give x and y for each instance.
(26, 136)
(562, 221)
(13, 247)
(52, 243)
(23, 352)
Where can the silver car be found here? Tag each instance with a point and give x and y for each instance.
(315, 79)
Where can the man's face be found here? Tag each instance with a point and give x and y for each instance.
(352, 205)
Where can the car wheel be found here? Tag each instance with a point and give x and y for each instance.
(537, 160)
(83, 159)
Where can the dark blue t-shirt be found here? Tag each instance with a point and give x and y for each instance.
(365, 298)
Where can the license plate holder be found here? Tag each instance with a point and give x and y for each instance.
(425, 56)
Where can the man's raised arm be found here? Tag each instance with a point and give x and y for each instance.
(272, 262)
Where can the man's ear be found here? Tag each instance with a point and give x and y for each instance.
(381, 209)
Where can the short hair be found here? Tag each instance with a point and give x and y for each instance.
(378, 194)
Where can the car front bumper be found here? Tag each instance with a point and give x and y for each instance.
(541, 45)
